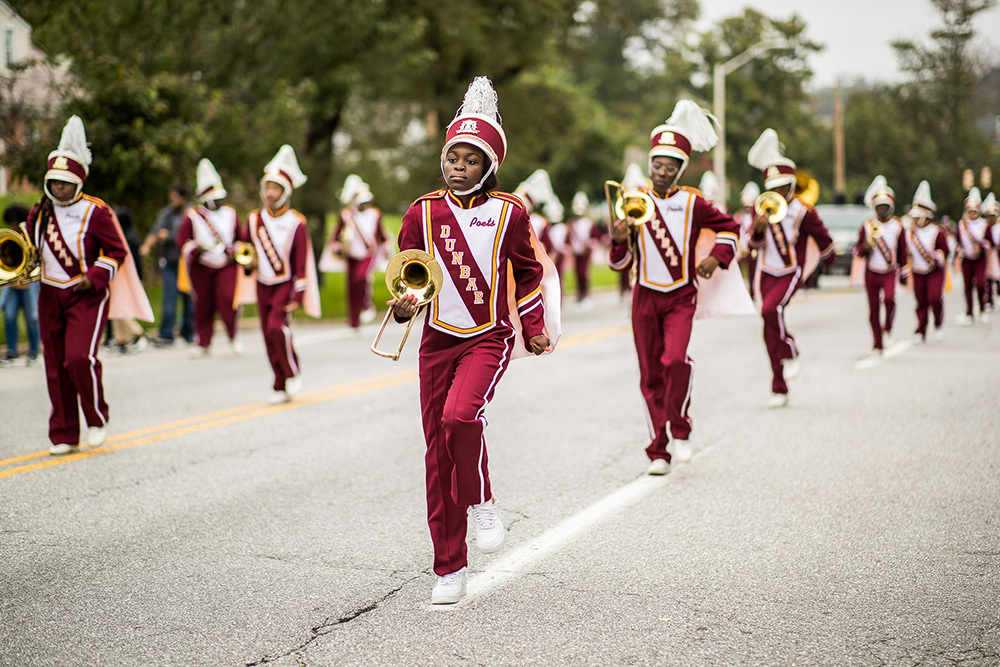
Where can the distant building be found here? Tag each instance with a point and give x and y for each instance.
(33, 89)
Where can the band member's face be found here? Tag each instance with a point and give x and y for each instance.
(62, 190)
(883, 212)
(273, 193)
(785, 191)
(463, 167)
(663, 172)
(990, 219)
(923, 221)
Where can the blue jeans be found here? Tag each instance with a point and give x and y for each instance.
(168, 271)
(14, 300)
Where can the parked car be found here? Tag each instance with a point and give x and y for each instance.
(843, 221)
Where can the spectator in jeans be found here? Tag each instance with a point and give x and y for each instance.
(168, 221)
(14, 299)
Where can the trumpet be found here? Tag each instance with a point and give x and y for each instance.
(771, 204)
(629, 203)
(244, 253)
(19, 258)
(409, 273)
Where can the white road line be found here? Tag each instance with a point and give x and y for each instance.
(519, 560)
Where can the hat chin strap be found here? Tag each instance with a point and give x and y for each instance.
(475, 187)
(677, 178)
(286, 193)
(72, 200)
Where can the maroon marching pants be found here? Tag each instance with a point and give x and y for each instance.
(582, 264)
(884, 283)
(458, 377)
(71, 324)
(974, 275)
(359, 288)
(775, 293)
(275, 325)
(661, 328)
(212, 292)
(928, 289)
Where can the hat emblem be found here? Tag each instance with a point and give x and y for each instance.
(468, 126)
(60, 163)
(772, 172)
(668, 139)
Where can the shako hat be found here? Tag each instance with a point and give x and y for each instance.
(766, 155)
(477, 122)
(209, 183)
(879, 193)
(71, 161)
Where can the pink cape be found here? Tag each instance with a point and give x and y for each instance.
(128, 298)
(551, 301)
(246, 286)
(724, 293)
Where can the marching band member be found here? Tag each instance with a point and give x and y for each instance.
(711, 190)
(973, 247)
(206, 238)
(782, 259)
(494, 304)
(285, 270)
(883, 249)
(745, 218)
(665, 295)
(989, 210)
(535, 191)
(581, 237)
(87, 276)
(359, 237)
(557, 233)
(927, 249)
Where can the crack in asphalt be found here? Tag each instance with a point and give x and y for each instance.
(329, 625)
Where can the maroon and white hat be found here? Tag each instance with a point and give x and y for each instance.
(71, 161)
(209, 183)
(923, 204)
(766, 155)
(879, 193)
(990, 205)
(477, 122)
(689, 128)
(973, 199)
(284, 170)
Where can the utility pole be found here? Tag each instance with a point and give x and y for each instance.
(839, 175)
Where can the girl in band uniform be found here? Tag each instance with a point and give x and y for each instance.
(927, 249)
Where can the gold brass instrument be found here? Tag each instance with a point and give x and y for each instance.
(629, 203)
(771, 204)
(244, 253)
(19, 259)
(410, 273)
(873, 232)
(806, 187)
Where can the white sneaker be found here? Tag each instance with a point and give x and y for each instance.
(680, 451)
(96, 435)
(489, 526)
(984, 317)
(198, 352)
(60, 450)
(237, 347)
(367, 315)
(887, 339)
(294, 385)
(658, 467)
(449, 588)
(964, 320)
(918, 339)
(778, 401)
(792, 368)
(939, 333)
(278, 397)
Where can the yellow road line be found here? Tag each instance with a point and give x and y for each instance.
(252, 411)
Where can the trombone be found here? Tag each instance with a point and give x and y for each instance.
(410, 272)
(19, 258)
(629, 203)
(244, 253)
(771, 204)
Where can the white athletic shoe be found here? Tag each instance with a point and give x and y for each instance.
(918, 339)
(198, 353)
(489, 526)
(60, 450)
(278, 397)
(887, 339)
(792, 368)
(236, 345)
(778, 401)
(964, 320)
(367, 315)
(680, 450)
(449, 588)
(96, 435)
(658, 467)
(984, 318)
(939, 333)
(294, 385)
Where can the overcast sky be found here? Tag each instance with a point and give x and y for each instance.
(856, 34)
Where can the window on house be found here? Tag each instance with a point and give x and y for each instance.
(8, 47)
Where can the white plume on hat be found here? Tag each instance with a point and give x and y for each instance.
(766, 151)
(580, 204)
(480, 99)
(285, 161)
(709, 186)
(634, 178)
(209, 183)
(355, 190)
(554, 210)
(749, 193)
(990, 205)
(974, 198)
(538, 188)
(922, 198)
(73, 143)
(879, 192)
(696, 124)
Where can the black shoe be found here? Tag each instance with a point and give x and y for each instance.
(161, 342)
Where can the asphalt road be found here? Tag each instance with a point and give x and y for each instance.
(858, 526)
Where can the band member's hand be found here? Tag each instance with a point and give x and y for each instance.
(620, 230)
(760, 223)
(708, 266)
(403, 308)
(291, 306)
(83, 285)
(538, 344)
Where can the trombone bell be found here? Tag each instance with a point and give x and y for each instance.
(630, 203)
(409, 273)
(771, 204)
(244, 253)
(18, 259)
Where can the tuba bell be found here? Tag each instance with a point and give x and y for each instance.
(409, 273)
(19, 259)
(244, 253)
(771, 204)
(629, 203)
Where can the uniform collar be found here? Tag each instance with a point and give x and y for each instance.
(477, 200)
